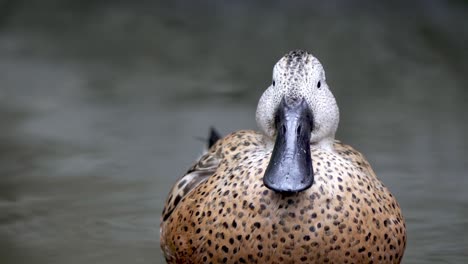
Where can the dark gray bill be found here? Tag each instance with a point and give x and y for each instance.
(290, 168)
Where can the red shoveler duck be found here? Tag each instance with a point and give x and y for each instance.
(289, 193)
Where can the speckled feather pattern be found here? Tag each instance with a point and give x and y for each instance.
(298, 74)
(221, 212)
(347, 216)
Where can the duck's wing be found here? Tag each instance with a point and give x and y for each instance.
(214, 137)
(197, 174)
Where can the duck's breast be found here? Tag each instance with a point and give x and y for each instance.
(347, 214)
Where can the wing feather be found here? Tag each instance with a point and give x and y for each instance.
(197, 174)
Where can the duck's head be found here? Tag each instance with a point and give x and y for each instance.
(297, 110)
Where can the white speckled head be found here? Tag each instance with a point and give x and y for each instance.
(300, 75)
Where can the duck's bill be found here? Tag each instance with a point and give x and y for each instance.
(290, 168)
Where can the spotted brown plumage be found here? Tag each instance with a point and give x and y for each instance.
(222, 212)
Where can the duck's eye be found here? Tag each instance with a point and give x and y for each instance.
(318, 84)
(273, 83)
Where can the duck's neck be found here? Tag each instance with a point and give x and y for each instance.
(325, 144)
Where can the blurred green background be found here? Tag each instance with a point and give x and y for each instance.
(102, 104)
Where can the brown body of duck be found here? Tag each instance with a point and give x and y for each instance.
(243, 201)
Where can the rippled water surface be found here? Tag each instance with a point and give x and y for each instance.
(103, 106)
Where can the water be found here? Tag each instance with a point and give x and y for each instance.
(103, 106)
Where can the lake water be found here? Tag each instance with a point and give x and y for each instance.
(103, 107)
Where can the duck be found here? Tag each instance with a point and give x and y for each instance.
(289, 193)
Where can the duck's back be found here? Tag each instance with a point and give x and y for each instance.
(347, 216)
